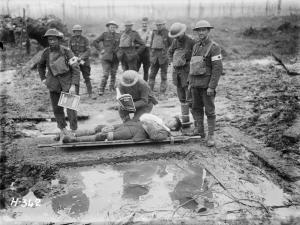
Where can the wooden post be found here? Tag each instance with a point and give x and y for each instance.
(189, 9)
(63, 12)
(27, 36)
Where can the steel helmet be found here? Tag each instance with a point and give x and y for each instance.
(160, 22)
(202, 24)
(128, 23)
(145, 20)
(77, 27)
(111, 23)
(177, 29)
(129, 78)
(53, 32)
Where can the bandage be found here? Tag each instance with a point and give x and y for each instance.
(73, 60)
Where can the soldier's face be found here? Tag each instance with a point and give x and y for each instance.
(53, 41)
(145, 26)
(180, 37)
(77, 32)
(128, 27)
(112, 28)
(202, 33)
(160, 26)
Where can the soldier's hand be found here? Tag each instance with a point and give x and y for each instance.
(210, 92)
(72, 89)
(44, 81)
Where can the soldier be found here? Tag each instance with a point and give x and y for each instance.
(109, 59)
(149, 126)
(144, 57)
(63, 74)
(132, 84)
(205, 71)
(79, 45)
(180, 54)
(130, 47)
(160, 42)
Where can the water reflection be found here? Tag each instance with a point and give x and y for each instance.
(74, 204)
(192, 191)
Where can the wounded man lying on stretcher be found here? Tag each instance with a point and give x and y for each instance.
(149, 127)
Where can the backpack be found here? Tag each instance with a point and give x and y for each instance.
(60, 65)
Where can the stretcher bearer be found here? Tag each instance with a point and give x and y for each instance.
(63, 74)
(130, 47)
(80, 46)
(140, 92)
(205, 71)
(180, 53)
(160, 42)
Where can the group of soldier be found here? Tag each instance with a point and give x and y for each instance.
(196, 63)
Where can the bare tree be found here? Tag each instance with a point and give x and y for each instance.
(267, 7)
(279, 7)
(7, 7)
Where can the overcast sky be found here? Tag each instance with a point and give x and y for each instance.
(100, 8)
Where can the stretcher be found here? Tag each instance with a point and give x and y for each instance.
(171, 140)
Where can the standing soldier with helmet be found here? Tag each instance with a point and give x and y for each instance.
(79, 45)
(144, 57)
(109, 59)
(63, 75)
(180, 53)
(205, 71)
(130, 47)
(160, 42)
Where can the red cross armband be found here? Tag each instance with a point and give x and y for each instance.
(216, 57)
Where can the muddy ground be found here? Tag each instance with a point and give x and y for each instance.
(252, 176)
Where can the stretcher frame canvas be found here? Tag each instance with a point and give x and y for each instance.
(69, 101)
(171, 140)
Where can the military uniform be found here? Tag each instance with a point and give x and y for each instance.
(199, 83)
(58, 83)
(80, 47)
(142, 98)
(160, 42)
(129, 130)
(131, 45)
(144, 57)
(180, 53)
(109, 59)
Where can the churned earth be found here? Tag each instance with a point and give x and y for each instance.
(251, 176)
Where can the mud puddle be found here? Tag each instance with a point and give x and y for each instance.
(141, 191)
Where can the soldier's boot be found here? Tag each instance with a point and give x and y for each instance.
(151, 84)
(211, 123)
(163, 86)
(185, 115)
(102, 86)
(198, 129)
(89, 89)
(198, 125)
(112, 83)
